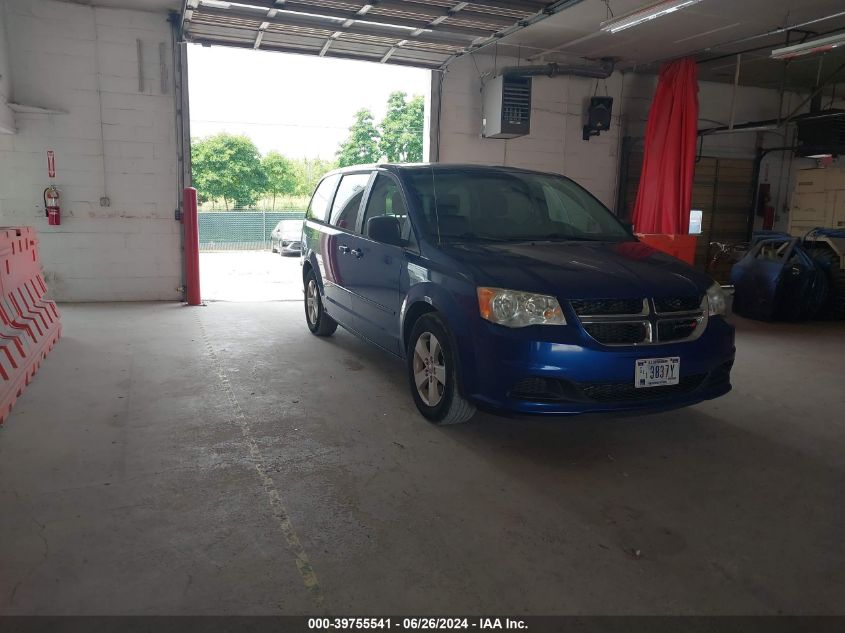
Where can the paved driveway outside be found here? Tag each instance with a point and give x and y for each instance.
(250, 276)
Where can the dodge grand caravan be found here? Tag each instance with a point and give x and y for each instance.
(511, 291)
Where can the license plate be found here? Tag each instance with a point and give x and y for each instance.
(657, 372)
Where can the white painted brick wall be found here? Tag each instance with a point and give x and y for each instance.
(555, 143)
(59, 54)
(7, 117)
(558, 115)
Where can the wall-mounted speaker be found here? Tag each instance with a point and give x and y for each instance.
(599, 116)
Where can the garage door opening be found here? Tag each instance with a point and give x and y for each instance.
(265, 128)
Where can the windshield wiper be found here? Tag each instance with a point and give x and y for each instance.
(469, 236)
(562, 236)
(578, 238)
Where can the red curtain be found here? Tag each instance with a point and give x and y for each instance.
(665, 194)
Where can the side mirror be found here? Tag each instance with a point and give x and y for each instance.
(385, 229)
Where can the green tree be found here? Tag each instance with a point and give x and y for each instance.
(402, 129)
(228, 167)
(281, 175)
(416, 126)
(361, 146)
(309, 171)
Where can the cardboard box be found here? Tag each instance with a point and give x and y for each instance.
(836, 179)
(810, 210)
(811, 181)
(839, 209)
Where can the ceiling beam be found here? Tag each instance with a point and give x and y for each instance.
(424, 12)
(526, 6)
(271, 13)
(269, 46)
(442, 18)
(552, 9)
(392, 50)
(290, 19)
(260, 35)
(388, 55)
(328, 43)
(188, 7)
(300, 6)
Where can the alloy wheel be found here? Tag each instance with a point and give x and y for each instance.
(429, 369)
(311, 300)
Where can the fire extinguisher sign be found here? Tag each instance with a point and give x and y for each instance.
(51, 163)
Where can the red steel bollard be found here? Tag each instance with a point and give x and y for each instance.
(192, 246)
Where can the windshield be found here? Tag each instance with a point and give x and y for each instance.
(471, 204)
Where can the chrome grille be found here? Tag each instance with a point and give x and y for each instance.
(607, 306)
(617, 322)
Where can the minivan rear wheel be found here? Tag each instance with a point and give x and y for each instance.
(320, 323)
(432, 373)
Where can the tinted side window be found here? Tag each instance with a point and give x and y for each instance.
(322, 198)
(348, 200)
(386, 199)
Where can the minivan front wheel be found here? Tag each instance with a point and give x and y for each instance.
(318, 321)
(432, 373)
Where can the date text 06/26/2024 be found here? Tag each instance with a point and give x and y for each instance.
(417, 624)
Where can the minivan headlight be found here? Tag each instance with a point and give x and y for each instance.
(512, 308)
(717, 300)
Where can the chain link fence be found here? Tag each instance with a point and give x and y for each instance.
(246, 230)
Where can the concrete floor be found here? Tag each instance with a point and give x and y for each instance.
(173, 460)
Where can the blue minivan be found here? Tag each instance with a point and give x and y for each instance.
(511, 291)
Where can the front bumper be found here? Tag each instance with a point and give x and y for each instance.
(562, 371)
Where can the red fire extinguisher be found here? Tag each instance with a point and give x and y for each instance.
(51, 206)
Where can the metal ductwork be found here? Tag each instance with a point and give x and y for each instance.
(602, 71)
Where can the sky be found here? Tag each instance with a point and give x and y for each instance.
(298, 105)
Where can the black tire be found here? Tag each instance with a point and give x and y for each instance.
(834, 307)
(320, 323)
(449, 406)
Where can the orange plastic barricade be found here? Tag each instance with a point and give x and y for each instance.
(29, 323)
(679, 246)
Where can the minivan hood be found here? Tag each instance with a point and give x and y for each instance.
(579, 270)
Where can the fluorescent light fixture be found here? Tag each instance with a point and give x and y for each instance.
(399, 27)
(216, 4)
(820, 156)
(646, 14)
(749, 128)
(810, 47)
